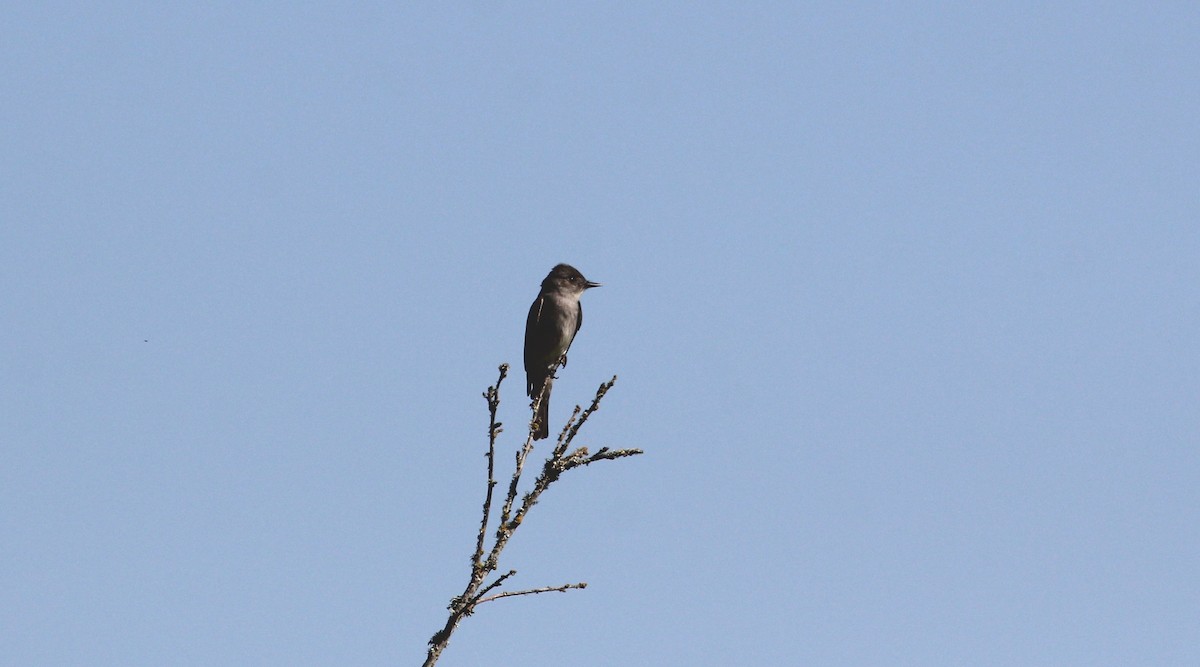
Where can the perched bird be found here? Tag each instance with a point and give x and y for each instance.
(554, 318)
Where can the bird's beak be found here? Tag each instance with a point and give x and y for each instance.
(589, 284)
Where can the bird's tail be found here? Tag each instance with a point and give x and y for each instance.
(543, 413)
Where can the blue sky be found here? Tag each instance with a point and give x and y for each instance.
(903, 301)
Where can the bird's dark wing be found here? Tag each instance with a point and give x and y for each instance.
(535, 369)
(535, 313)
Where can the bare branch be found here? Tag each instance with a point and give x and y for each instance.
(522, 454)
(494, 585)
(606, 454)
(494, 428)
(574, 424)
(532, 591)
(476, 592)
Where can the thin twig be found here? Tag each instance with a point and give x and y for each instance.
(508, 522)
(600, 393)
(494, 428)
(522, 454)
(606, 454)
(492, 586)
(563, 440)
(532, 591)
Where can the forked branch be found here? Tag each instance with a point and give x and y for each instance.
(477, 591)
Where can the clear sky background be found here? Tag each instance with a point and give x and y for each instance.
(904, 301)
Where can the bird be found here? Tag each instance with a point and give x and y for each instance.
(554, 319)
